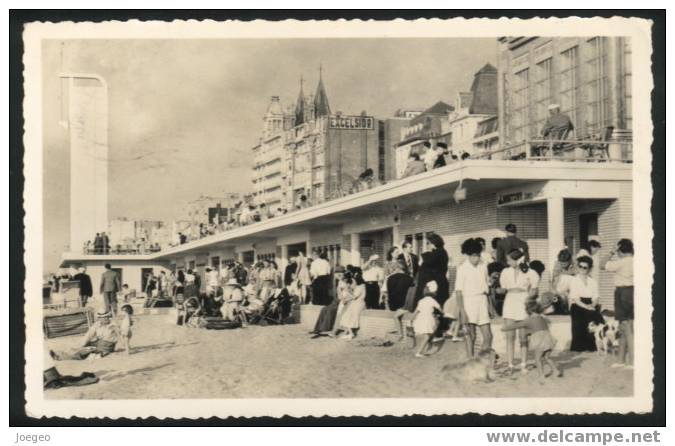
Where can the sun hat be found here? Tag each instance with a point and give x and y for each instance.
(554, 106)
(232, 282)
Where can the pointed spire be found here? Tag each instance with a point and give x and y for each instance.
(321, 106)
(300, 106)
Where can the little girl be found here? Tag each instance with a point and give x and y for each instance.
(537, 327)
(125, 327)
(424, 318)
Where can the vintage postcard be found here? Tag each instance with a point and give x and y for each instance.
(338, 217)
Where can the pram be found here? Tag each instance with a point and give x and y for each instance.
(203, 314)
(276, 309)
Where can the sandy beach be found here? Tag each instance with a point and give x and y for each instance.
(168, 361)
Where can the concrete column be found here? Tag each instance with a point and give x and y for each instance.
(356, 249)
(240, 257)
(283, 261)
(555, 213)
(396, 235)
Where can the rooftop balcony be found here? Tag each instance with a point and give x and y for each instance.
(587, 155)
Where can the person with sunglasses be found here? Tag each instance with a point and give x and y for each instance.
(583, 299)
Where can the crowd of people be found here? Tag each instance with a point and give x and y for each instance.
(489, 283)
(502, 282)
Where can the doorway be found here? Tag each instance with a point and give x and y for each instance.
(588, 228)
(296, 248)
(144, 278)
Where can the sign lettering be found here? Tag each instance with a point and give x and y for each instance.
(352, 122)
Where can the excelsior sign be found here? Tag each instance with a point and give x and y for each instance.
(352, 122)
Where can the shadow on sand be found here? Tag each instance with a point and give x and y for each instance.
(162, 346)
(119, 375)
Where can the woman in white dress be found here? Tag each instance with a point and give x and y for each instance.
(519, 283)
(355, 297)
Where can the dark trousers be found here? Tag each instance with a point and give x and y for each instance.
(582, 339)
(372, 295)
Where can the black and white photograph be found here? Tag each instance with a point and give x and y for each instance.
(369, 218)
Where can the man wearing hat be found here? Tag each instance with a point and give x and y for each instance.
(100, 339)
(558, 125)
(373, 275)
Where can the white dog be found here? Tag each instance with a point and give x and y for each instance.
(606, 336)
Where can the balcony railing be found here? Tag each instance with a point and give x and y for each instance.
(583, 150)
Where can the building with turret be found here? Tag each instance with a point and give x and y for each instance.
(314, 152)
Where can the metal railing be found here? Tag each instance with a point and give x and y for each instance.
(582, 150)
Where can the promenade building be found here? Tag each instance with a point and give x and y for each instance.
(556, 201)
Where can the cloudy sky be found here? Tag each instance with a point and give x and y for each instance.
(185, 113)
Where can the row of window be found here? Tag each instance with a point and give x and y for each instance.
(581, 86)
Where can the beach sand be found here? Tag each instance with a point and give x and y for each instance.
(168, 361)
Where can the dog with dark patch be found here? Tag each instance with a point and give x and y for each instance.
(606, 336)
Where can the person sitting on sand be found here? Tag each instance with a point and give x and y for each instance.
(425, 320)
(99, 341)
(541, 341)
(233, 297)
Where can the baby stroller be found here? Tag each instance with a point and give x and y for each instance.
(197, 315)
(275, 310)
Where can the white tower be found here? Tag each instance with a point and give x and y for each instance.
(87, 122)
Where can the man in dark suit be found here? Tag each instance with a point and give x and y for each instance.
(110, 285)
(409, 259)
(86, 288)
(105, 242)
(509, 243)
(98, 246)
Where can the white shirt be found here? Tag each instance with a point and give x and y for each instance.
(213, 278)
(579, 289)
(515, 278)
(373, 274)
(471, 280)
(427, 304)
(320, 267)
(430, 158)
(622, 269)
